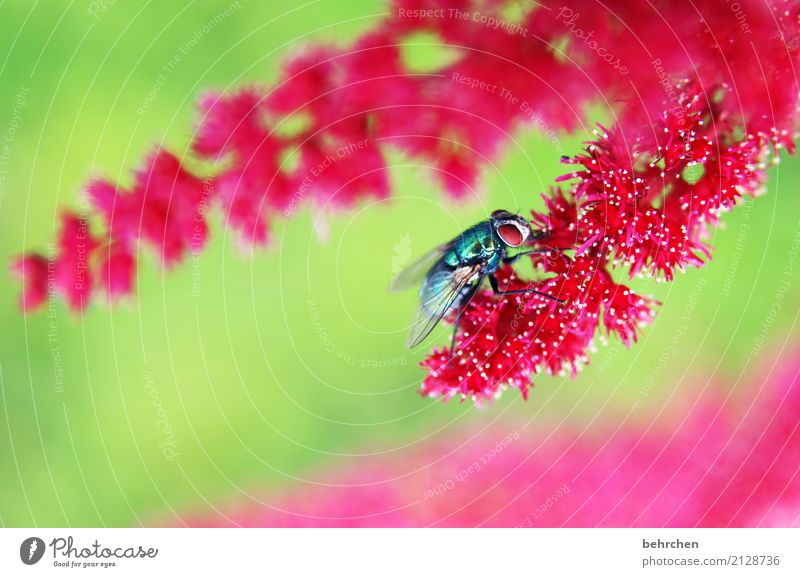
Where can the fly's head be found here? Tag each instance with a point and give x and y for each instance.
(512, 229)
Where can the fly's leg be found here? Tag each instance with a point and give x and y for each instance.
(455, 332)
(497, 291)
(516, 257)
(510, 260)
(463, 305)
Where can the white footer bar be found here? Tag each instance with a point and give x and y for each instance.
(402, 552)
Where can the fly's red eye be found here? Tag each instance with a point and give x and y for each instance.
(510, 234)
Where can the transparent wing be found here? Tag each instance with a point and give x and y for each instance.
(439, 293)
(414, 273)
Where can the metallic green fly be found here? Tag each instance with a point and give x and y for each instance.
(452, 272)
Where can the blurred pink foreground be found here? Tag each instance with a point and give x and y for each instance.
(724, 461)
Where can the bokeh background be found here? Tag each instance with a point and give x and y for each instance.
(243, 372)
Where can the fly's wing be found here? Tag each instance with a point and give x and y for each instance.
(413, 273)
(438, 295)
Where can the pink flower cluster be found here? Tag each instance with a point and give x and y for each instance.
(631, 205)
(705, 464)
(693, 87)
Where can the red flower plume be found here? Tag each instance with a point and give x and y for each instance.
(700, 97)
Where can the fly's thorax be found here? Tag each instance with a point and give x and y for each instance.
(476, 244)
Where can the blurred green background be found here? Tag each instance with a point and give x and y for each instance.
(240, 372)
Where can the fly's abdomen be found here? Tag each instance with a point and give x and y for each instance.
(448, 284)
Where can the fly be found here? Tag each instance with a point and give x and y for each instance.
(452, 273)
